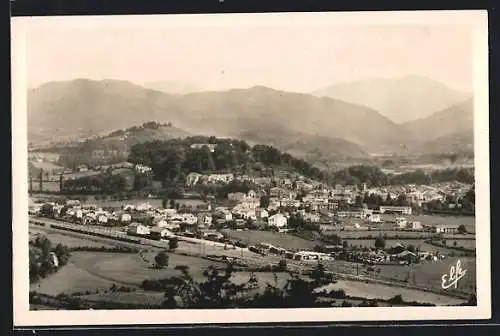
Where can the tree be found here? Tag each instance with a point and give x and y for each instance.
(47, 210)
(282, 265)
(462, 229)
(62, 254)
(172, 204)
(173, 243)
(161, 260)
(264, 202)
(380, 242)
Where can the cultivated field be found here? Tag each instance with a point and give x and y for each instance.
(139, 296)
(428, 274)
(283, 240)
(51, 186)
(132, 269)
(69, 279)
(418, 243)
(69, 240)
(467, 221)
(379, 291)
(353, 234)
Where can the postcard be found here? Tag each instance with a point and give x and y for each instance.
(243, 168)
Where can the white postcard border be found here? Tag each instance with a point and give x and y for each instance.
(24, 317)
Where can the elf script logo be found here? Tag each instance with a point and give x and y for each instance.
(451, 279)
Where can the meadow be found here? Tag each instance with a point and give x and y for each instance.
(418, 243)
(428, 274)
(380, 291)
(284, 240)
(132, 269)
(468, 221)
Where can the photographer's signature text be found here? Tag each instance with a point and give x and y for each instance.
(451, 279)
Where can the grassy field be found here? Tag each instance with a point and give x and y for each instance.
(283, 240)
(391, 234)
(467, 221)
(68, 240)
(418, 243)
(46, 186)
(379, 291)
(131, 269)
(429, 274)
(70, 279)
(140, 296)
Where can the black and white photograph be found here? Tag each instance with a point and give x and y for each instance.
(228, 167)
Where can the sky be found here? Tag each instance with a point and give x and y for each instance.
(291, 57)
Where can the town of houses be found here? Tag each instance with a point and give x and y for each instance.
(317, 204)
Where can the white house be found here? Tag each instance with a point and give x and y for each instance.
(416, 225)
(102, 219)
(403, 210)
(278, 220)
(374, 218)
(124, 218)
(204, 220)
(261, 213)
(311, 217)
(138, 229)
(78, 213)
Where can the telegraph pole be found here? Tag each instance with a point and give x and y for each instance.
(41, 180)
(30, 183)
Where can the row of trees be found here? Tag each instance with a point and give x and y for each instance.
(106, 183)
(374, 176)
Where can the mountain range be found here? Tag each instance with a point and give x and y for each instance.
(302, 124)
(173, 87)
(401, 99)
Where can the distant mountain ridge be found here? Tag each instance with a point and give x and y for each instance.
(173, 87)
(400, 99)
(449, 130)
(302, 124)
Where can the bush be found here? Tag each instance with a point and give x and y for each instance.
(161, 260)
(282, 265)
(397, 299)
(173, 243)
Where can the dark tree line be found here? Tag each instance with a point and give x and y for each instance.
(173, 159)
(107, 183)
(375, 177)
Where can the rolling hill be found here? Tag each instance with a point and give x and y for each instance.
(454, 119)
(401, 99)
(449, 130)
(316, 128)
(83, 107)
